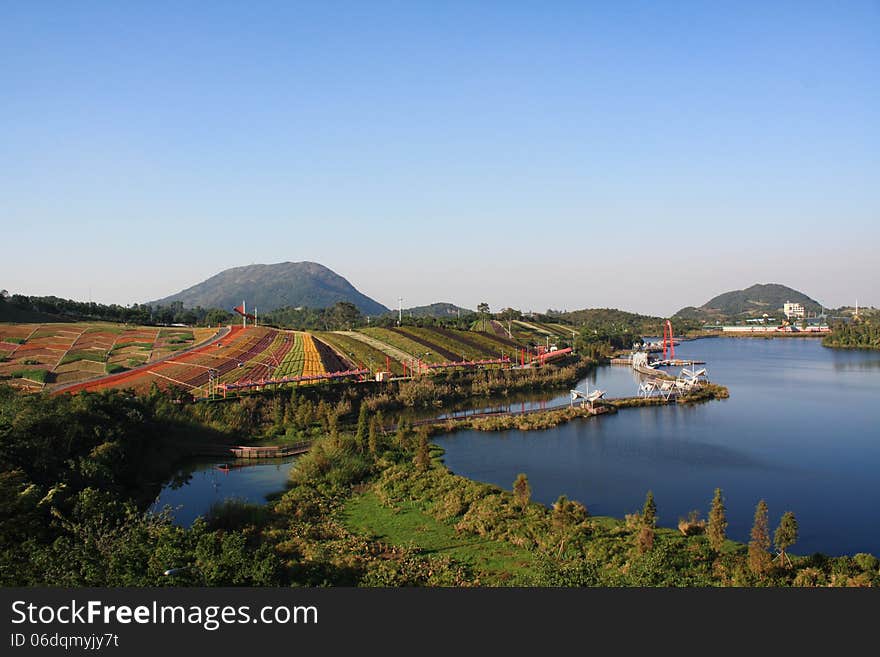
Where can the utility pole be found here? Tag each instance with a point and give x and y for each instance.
(399, 310)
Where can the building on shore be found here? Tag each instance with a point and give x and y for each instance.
(752, 328)
(794, 310)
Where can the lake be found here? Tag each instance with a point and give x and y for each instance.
(800, 430)
(199, 485)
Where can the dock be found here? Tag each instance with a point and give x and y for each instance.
(258, 452)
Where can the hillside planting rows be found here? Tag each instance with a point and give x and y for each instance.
(95, 356)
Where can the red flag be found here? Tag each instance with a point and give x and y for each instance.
(239, 309)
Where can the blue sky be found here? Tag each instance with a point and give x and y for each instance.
(641, 155)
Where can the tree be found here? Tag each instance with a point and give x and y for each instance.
(522, 492)
(786, 535)
(333, 428)
(483, 310)
(344, 315)
(360, 436)
(216, 316)
(567, 515)
(645, 539)
(373, 438)
(403, 434)
(759, 556)
(649, 511)
(423, 456)
(508, 313)
(717, 522)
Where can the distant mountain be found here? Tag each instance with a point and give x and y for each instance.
(755, 300)
(435, 310)
(268, 287)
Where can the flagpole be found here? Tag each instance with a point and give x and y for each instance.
(243, 315)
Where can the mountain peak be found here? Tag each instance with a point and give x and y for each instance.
(272, 286)
(756, 299)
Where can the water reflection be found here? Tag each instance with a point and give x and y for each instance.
(197, 486)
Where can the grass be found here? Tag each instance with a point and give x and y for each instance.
(452, 342)
(363, 353)
(14, 340)
(407, 526)
(37, 376)
(73, 356)
(140, 345)
(403, 343)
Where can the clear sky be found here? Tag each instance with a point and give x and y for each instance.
(643, 155)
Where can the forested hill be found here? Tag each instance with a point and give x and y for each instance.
(437, 310)
(612, 319)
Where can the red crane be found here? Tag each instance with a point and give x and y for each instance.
(667, 340)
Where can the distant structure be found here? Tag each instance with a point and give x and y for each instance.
(794, 310)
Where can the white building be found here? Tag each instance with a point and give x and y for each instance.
(793, 310)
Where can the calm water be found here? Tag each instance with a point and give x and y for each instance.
(198, 486)
(800, 429)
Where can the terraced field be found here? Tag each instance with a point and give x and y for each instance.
(362, 353)
(332, 361)
(292, 363)
(97, 356)
(312, 363)
(453, 345)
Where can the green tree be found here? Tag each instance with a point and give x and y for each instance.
(522, 492)
(568, 513)
(373, 438)
(423, 456)
(759, 545)
(717, 522)
(483, 310)
(786, 535)
(344, 315)
(363, 426)
(402, 435)
(566, 517)
(333, 428)
(649, 511)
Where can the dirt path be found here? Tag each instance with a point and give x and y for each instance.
(387, 349)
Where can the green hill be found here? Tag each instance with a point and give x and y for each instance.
(268, 287)
(752, 301)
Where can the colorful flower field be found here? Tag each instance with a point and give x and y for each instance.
(239, 356)
(38, 356)
(98, 356)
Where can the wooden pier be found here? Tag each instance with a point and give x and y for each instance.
(250, 452)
